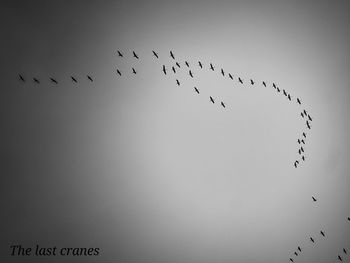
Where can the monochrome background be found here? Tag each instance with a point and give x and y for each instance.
(149, 171)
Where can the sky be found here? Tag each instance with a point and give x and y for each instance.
(149, 171)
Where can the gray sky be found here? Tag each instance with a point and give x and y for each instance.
(152, 172)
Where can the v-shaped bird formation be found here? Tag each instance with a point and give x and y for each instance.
(172, 69)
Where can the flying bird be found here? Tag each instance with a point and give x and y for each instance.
(164, 70)
(21, 78)
(295, 253)
(172, 55)
(345, 251)
(313, 198)
(264, 83)
(348, 218)
(120, 54)
(74, 79)
(299, 248)
(284, 92)
(200, 64)
(222, 72)
(89, 78)
(322, 233)
(211, 67)
(230, 76)
(291, 259)
(53, 80)
(187, 64)
(302, 149)
(223, 105)
(298, 100)
(133, 71)
(274, 85)
(211, 99)
(190, 73)
(302, 114)
(252, 82)
(339, 257)
(177, 64)
(135, 56)
(299, 141)
(155, 54)
(289, 97)
(295, 164)
(278, 89)
(240, 80)
(308, 125)
(118, 71)
(178, 82)
(173, 68)
(196, 90)
(36, 80)
(304, 134)
(303, 158)
(309, 117)
(312, 240)
(305, 112)
(302, 140)
(299, 151)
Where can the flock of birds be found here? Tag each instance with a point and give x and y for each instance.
(176, 66)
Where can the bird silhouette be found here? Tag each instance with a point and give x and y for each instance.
(53, 80)
(348, 218)
(164, 70)
(178, 82)
(36, 80)
(305, 112)
(299, 248)
(230, 76)
(299, 151)
(303, 141)
(190, 73)
(284, 92)
(89, 78)
(278, 90)
(313, 198)
(302, 149)
(289, 97)
(120, 54)
(118, 71)
(303, 158)
(252, 82)
(298, 100)
(264, 83)
(172, 54)
(200, 64)
(240, 80)
(295, 164)
(308, 125)
(155, 54)
(312, 240)
(196, 90)
(211, 67)
(295, 253)
(223, 105)
(309, 117)
(135, 55)
(344, 250)
(322, 233)
(304, 134)
(186, 63)
(211, 99)
(177, 64)
(299, 141)
(273, 85)
(339, 257)
(291, 259)
(133, 71)
(74, 79)
(173, 68)
(21, 78)
(222, 72)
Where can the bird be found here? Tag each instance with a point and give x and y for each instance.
(252, 82)
(190, 73)
(135, 56)
(36, 80)
(295, 253)
(133, 71)
(348, 218)
(273, 85)
(289, 97)
(345, 251)
(305, 112)
(308, 125)
(278, 89)
(299, 141)
(21, 78)
(339, 257)
(172, 55)
(302, 149)
(200, 64)
(188, 65)
(164, 70)
(230, 76)
(74, 79)
(302, 140)
(304, 134)
(322, 233)
(211, 67)
(302, 115)
(264, 83)
(298, 100)
(89, 78)
(291, 259)
(178, 82)
(222, 72)
(284, 92)
(53, 80)
(313, 198)
(295, 164)
(299, 151)
(303, 158)
(155, 54)
(120, 54)
(312, 240)
(309, 117)
(240, 80)
(177, 64)
(223, 105)
(118, 71)
(299, 248)
(211, 99)
(196, 90)
(173, 68)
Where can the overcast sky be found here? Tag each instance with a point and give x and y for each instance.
(154, 172)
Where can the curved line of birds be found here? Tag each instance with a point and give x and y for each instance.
(176, 66)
